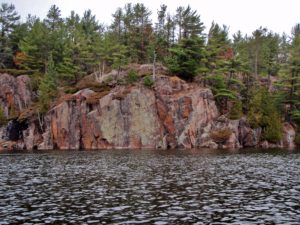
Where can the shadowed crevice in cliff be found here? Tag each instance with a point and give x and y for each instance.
(14, 130)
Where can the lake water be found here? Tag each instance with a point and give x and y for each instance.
(150, 187)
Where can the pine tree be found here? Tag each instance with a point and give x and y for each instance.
(185, 57)
(8, 21)
(263, 113)
(188, 22)
(142, 24)
(162, 34)
(35, 47)
(118, 24)
(218, 45)
(48, 86)
(53, 20)
(119, 57)
(290, 79)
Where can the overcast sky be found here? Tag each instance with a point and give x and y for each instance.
(245, 15)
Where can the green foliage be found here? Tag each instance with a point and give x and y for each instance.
(263, 113)
(48, 87)
(8, 21)
(132, 27)
(132, 77)
(217, 82)
(185, 58)
(273, 130)
(255, 112)
(188, 22)
(236, 111)
(36, 47)
(119, 57)
(290, 78)
(236, 84)
(148, 81)
(218, 45)
(16, 72)
(224, 93)
(35, 80)
(296, 116)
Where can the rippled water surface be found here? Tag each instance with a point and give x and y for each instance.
(150, 187)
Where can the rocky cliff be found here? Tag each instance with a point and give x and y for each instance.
(171, 114)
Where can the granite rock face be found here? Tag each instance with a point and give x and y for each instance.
(14, 93)
(15, 96)
(171, 114)
(241, 135)
(183, 109)
(166, 116)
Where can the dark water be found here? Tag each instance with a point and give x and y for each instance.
(150, 187)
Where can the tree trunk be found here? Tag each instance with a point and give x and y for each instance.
(154, 69)
(179, 32)
(143, 42)
(292, 86)
(103, 66)
(269, 80)
(119, 68)
(41, 123)
(255, 64)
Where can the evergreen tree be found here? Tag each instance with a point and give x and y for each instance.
(118, 23)
(161, 18)
(170, 30)
(185, 57)
(271, 54)
(142, 24)
(256, 42)
(35, 46)
(290, 80)
(218, 45)
(8, 21)
(119, 57)
(53, 20)
(48, 86)
(188, 22)
(263, 113)
(161, 34)
(69, 68)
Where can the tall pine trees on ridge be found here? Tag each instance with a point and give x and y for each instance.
(8, 22)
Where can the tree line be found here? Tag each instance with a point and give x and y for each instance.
(257, 75)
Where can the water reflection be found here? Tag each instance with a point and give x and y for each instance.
(150, 187)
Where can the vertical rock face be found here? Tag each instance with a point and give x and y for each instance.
(64, 122)
(183, 109)
(128, 121)
(14, 93)
(133, 117)
(15, 96)
(123, 119)
(172, 114)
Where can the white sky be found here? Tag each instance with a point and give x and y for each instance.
(245, 15)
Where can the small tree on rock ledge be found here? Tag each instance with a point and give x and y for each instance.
(185, 57)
